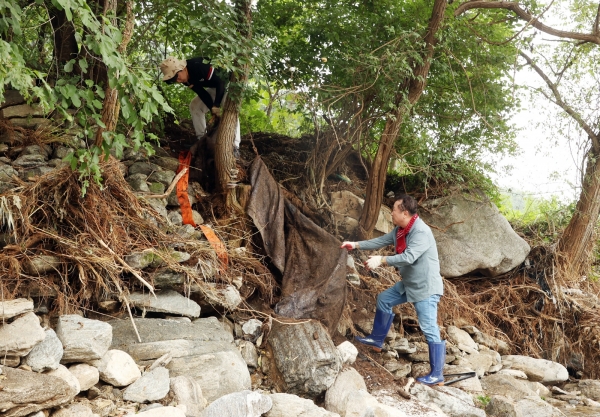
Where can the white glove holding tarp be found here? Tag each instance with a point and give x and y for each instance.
(349, 245)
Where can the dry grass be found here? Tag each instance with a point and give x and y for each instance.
(91, 236)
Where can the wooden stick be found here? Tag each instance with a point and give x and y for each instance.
(170, 189)
(125, 265)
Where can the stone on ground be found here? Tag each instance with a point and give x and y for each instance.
(452, 401)
(19, 337)
(46, 355)
(152, 386)
(239, 404)
(168, 301)
(83, 339)
(87, 375)
(540, 370)
(290, 405)
(117, 368)
(13, 308)
(305, 356)
(185, 391)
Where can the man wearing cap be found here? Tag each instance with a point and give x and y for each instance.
(204, 81)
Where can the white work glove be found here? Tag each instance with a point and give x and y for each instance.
(348, 245)
(374, 262)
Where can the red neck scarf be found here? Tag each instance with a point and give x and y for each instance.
(401, 234)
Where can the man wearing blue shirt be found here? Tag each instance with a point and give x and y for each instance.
(416, 259)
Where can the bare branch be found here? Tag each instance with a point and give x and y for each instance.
(561, 103)
(529, 18)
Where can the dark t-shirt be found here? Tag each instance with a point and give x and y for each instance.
(203, 75)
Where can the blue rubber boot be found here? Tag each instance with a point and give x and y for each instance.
(381, 327)
(437, 358)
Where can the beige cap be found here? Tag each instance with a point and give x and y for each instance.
(171, 66)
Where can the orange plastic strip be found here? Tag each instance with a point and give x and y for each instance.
(217, 245)
(185, 157)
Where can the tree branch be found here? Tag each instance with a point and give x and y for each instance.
(597, 22)
(560, 102)
(528, 17)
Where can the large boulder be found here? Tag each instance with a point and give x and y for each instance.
(305, 357)
(202, 350)
(152, 386)
(537, 370)
(347, 208)
(24, 392)
(186, 391)
(472, 236)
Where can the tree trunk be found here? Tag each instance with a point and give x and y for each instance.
(576, 242)
(111, 105)
(224, 160)
(416, 85)
(65, 44)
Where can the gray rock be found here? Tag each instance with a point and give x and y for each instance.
(402, 347)
(63, 373)
(305, 356)
(498, 345)
(289, 405)
(252, 328)
(451, 401)
(32, 123)
(87, 375)
(472, 236)
(58, 163)
(162, 412)
(167, 301)
(117, 368)
(506, 386)
(165, 162)
(398, 369)
(248, 351)
(74, 410)
(239, 404)
(23, 111)
(13, 308)
(143, 168)
(35, 172)
(348, 352)
(202, 350)
(157, 188)
(152, 386)
(83, 339)
(46, 355)
(164, 177)
(502, 406)
(164, 278)
(20, 336)
(186, 391)
(61, 152)
(461, 339)
(29, 161)
(590, 388)
(25, 392)
(42, 264)
(7, 173)
(540, 370)
(347, 383)
(347, 209)
(144, 259)
(158, 204)
(137, 182)
(175, 217)
(471, 385)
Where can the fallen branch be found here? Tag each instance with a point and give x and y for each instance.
(169, 190)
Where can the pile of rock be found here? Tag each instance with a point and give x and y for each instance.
(209, 367)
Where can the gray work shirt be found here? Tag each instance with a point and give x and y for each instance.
(418, 265)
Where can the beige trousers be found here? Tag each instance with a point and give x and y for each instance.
(198, 111)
